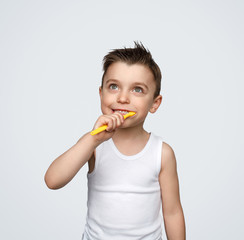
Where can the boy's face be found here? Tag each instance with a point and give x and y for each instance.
(129, 88)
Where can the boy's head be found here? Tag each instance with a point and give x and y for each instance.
(130, 83)
(137, 55)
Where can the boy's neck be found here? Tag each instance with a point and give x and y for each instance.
(129, 134)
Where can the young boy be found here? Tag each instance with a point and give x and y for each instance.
(132, 173)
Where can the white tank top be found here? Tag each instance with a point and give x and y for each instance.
(124, 198)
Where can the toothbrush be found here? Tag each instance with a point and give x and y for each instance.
(102, 128)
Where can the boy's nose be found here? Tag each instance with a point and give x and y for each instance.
(123, 97)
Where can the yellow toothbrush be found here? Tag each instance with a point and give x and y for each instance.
(102, 128)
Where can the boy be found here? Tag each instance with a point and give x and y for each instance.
(132, 173)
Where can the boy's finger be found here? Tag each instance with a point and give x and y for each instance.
(120, 118)
(117, 120)
(111, 124)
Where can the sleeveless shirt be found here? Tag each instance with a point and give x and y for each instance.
(124, 197)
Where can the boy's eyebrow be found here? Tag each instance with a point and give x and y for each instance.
(134, 83)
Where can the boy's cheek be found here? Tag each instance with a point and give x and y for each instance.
(106, 110)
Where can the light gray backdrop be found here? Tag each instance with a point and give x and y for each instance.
(51, 68)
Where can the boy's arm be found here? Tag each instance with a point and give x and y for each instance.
(65, 167)
(171, 205)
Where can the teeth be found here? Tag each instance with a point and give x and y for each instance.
(121, 111)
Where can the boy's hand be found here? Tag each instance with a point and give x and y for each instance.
(113, 121)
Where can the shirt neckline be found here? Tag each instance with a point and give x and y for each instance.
(130, 157)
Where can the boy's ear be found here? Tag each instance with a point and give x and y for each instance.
(156, 103)
(100, 92)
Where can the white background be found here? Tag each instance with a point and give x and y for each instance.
(50, 71)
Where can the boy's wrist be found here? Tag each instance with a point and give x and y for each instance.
(92, 140)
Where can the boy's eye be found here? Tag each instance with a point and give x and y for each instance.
(113, 86)
(138, 90)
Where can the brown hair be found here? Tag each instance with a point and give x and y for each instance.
(138, 54)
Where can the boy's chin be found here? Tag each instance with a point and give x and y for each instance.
(124, 126)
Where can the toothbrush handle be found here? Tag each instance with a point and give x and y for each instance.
(98, 130)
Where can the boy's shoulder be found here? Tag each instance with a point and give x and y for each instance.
(167, 148)
(168, 155)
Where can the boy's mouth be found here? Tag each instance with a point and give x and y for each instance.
(123, 111)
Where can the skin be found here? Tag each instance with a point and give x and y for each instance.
(122, 91)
